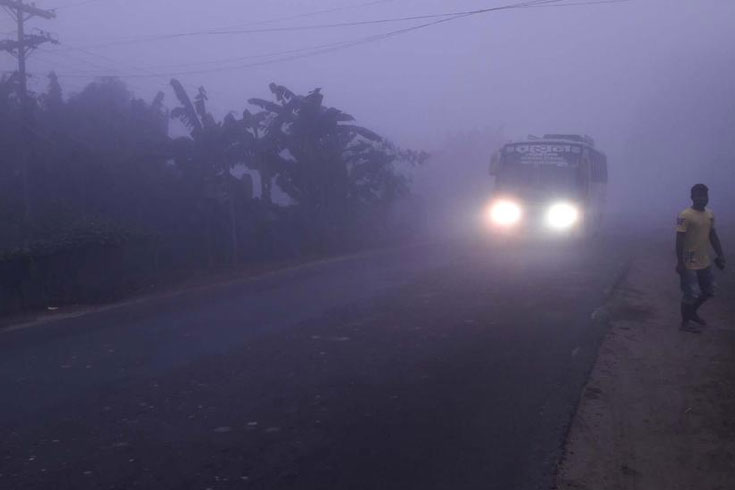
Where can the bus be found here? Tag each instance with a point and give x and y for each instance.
(553, 184)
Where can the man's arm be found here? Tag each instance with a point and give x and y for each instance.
(714, 239)
(680, 251)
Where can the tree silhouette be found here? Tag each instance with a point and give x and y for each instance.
(333, 169)
(109, 182)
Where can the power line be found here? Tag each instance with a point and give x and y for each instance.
(274, 54)
(310, 14)
(227, 32)
(242, 58)
(76, 4)
(301, 53)
(298, 16)
(267, 21)
(331, 47)
(297, 54)
(162, 37)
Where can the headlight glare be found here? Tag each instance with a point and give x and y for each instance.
(562, 216)
(505, 213)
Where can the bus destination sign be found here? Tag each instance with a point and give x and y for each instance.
(543, 154)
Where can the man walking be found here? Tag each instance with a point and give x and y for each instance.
(695, 231)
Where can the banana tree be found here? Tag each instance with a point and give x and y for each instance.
(333, 167)
(208, 156)
(259, 151)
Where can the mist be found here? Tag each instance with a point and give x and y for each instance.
(651, 81)
(308, 244)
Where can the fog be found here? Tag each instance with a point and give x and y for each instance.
(239, 244)
(653, 81)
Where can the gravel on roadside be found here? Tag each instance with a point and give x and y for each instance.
(657, 411)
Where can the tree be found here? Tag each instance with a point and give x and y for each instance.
(107, 181)
(260, 151)
(207, 158)
(334, 170)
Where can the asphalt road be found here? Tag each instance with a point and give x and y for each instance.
(444, 366)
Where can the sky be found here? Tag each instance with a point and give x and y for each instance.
(653, 81)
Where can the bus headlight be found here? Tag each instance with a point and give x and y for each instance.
(505, 213)
(562, 216)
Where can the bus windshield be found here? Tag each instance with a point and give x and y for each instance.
(540, 169)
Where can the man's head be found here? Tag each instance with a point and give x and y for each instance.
(700, 196)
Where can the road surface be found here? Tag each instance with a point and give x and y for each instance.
(451, 365)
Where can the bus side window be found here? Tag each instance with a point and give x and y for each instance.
(599, 169)
(495, 163)
(587, 174)
(595, 170)
(593, 173)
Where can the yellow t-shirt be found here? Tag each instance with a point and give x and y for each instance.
(697, 226)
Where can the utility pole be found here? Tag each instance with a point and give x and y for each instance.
(20, 49)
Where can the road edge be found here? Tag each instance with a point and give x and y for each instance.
(221, 284)
(601, 318)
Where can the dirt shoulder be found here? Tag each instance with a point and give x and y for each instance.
(657, 412)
